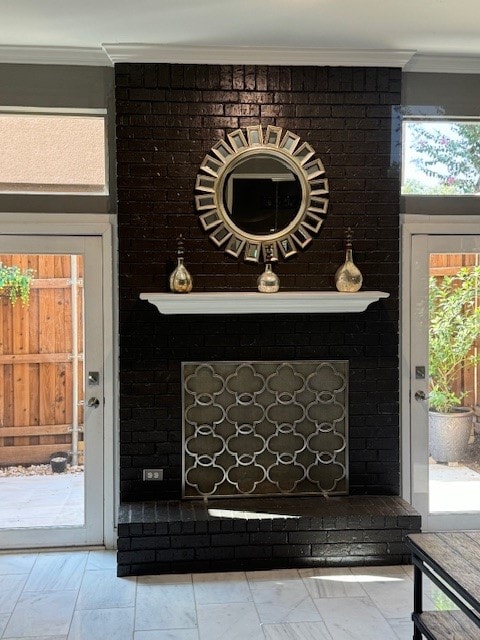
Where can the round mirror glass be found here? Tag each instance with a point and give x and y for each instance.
(262, 195)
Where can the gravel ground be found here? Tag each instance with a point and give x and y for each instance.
(472, 458)
(36, 470)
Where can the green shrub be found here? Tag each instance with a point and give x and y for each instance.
(453, 331)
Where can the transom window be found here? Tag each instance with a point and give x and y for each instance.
(441, 157)
(53, 152)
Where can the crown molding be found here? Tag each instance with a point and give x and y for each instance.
(443, 64)
(256, 55)
(81, 56)
(112, 53)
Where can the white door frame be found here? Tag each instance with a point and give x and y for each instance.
(414, 225)
(100, 225)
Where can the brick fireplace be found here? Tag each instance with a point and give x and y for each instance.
(168, 117)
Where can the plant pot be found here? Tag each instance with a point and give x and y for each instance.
(449, 434)
(58, 462)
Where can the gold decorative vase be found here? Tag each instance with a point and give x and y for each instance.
(348, 277)
(180, 279)
(268, 282)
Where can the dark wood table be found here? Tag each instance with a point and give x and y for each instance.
(452, 561)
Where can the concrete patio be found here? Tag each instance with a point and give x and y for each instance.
(454, 489)
(41, 501)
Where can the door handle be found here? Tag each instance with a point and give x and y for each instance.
(93, 402)
(420, 395)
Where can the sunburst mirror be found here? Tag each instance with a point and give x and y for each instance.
(261, 193)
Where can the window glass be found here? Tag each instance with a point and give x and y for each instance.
(52, 153)
(441, 157)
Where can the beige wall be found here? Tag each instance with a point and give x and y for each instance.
(52, 152)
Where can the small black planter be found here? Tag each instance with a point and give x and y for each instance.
(58, 462)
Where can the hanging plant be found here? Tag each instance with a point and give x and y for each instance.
(15, 283)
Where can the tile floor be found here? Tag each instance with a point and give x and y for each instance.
(77, 596)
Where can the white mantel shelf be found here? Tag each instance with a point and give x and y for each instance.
(253, 302)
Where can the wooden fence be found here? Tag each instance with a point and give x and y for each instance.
(41, 377)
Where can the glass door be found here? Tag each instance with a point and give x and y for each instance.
(51, 391)
(444, 368)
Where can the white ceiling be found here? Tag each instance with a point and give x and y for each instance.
(421, 28)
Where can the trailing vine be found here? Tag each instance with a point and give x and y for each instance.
(15, 283)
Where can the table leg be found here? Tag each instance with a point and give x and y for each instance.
(417, 598)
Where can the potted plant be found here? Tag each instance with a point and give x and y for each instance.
(15, 283)
(453, 331)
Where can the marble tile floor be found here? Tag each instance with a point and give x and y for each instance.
(75, 595)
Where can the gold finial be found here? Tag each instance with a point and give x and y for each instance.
(268, 253)
(349, 237)
(180, 246)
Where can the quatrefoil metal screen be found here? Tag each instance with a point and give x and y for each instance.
(265, 428)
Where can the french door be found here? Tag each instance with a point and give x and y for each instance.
(52, 395)
(447, 496)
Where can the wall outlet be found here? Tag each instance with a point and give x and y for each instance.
(152, 474)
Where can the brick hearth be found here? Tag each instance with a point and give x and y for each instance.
(261, 533)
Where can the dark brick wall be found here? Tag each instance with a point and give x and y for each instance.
(168, 117)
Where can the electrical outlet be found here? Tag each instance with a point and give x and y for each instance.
(152, 475)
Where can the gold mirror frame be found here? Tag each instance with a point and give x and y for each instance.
(225, 156)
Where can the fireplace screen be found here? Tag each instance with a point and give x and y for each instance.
(265, 428)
